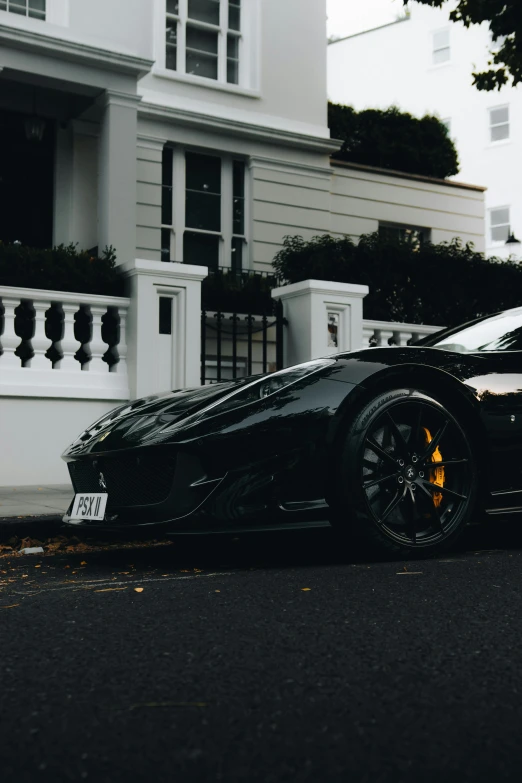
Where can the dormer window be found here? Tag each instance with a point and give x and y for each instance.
(203, 38)
(32, 8)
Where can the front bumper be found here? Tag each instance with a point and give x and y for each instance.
(146, 487)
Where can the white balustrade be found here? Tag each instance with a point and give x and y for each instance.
(382, 333)
(40, 376)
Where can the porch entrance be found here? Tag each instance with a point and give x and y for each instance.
(26, 182)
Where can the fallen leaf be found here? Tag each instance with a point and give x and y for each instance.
(403, 573)
(108, 589)
(169, 704)
(9, 607)
(218, 591)
(305, 589)
(84, 562)
(38, 566)
(138, 589)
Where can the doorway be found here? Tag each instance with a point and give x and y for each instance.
(26, 182)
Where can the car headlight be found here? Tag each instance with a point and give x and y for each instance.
(256, 390)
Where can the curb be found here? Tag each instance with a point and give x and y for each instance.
(38, 526)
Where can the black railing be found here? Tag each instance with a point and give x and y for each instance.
(230, 347)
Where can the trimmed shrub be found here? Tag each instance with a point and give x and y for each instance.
(238, 292)
(392, 139)
(61, 268)
(445, 284)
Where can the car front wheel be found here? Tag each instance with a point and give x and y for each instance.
(407, 479)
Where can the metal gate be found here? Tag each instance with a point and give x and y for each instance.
(236, 345)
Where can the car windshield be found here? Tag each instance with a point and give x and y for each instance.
(502, 332)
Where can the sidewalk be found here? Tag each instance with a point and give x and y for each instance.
(33, 509)
(44, 501)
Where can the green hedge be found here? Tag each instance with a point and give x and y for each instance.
(444, 284)
(61, 268)
(392, 139)
(241, 292)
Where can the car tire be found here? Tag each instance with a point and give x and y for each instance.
(406, 478)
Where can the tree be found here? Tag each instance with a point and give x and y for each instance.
(505, 21)
(392, 139)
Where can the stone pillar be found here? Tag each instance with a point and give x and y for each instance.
(117, 170)
(323, 318)
(162, 360)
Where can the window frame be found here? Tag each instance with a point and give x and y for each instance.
(424, 230)
(39, 16)
(178, 227)
(223, 32)
(499, 124)
(435, 49)
(498, 242)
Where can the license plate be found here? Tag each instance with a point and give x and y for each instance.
(89, 506)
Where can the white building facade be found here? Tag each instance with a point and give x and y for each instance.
(139, 98)
(423, 64)
(189, 135)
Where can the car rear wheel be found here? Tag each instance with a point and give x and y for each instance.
(407, 479)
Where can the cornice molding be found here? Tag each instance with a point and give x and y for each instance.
(325, 288)
(165, 273)
(74, 51)
(343, 164)
(199, 121)
(116, 98)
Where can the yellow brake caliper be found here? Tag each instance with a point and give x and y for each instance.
(437, 475)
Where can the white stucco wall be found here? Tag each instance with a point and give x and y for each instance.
(393, 65)
(362, 198)
(285, 56)
(35, 432)
(120, 25)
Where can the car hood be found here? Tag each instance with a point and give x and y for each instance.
(129, 423)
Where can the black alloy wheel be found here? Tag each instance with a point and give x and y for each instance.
(408, 472)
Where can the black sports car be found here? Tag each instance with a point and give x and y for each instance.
(401, 446)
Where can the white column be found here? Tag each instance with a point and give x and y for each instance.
(9, 339)
(149, 281)
(68, 345)
(97, 347)
(117, 175)
(40, 343)
(121, 348)
(307, 306)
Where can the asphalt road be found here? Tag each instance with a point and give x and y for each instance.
(269, 658)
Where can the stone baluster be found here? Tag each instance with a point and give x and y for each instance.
(40, 343)
(97, 348)
(368, 334)
(68, 345)
(383, 335)
(120, 350)
(9, 339)
(401, 337)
